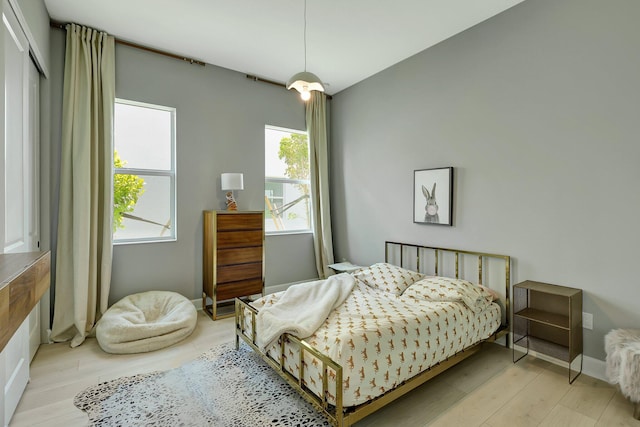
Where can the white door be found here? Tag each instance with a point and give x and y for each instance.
(16, 367)
(19, 151)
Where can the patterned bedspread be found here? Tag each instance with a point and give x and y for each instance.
(381, 339)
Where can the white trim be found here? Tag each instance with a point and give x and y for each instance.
(170, 173)
(286, 130)
(590, 366)
(595, 368)
(145, 241)
(285, 180)
(287, 232)
(33, 46)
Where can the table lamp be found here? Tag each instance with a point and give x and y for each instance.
(231, 182)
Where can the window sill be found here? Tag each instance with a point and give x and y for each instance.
(141, 241)
(286, 233)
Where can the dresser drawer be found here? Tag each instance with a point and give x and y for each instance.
(234, 273)
(241, 221)
(225, 291)
(239, 255)
(239, 239)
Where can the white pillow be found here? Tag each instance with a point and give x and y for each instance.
(387, 277)
(450, 290)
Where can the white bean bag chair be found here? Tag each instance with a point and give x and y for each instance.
(145, 322)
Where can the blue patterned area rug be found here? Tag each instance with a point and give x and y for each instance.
(223, 387)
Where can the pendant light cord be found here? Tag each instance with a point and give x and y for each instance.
(305, 35)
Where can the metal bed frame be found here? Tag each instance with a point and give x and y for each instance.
(337, 414)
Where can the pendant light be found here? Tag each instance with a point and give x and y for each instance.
(304, 82)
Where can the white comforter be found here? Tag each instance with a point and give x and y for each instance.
(302, 308)
(381, 340)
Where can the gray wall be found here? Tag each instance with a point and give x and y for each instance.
(220, 128)
(537, 110)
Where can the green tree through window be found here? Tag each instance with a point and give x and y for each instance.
(287, 188)
(126, 191)
(294, 150)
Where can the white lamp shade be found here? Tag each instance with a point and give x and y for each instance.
(305, 82)
(232, 181)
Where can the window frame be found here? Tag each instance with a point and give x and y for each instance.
(294, 181)
(170, 173)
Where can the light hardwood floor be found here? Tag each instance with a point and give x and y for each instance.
(486, 390)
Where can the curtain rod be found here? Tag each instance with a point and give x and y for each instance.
(271, 82)
(260, 79)
(61, 26)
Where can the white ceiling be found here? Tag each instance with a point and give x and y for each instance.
(347, 40)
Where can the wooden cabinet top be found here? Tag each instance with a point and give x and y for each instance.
(235, 212)
(24, 278)
(12, 265)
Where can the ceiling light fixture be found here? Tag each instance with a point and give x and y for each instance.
(304, 82)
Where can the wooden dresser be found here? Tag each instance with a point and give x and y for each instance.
(233, 257)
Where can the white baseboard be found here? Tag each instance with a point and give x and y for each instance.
(197, 303)
(590, 366)
(595, 368)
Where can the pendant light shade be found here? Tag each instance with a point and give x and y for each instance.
(304, 82)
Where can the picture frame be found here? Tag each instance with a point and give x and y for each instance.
(433, 196)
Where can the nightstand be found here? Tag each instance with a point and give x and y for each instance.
(547, 319)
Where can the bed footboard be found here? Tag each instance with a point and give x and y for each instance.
(331, 371)
(337, 414)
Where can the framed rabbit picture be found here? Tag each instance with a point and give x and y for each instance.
(433, 196)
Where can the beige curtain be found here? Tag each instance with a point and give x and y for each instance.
(318, 158)
(84, 251)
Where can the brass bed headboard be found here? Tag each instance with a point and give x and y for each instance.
(394, 252)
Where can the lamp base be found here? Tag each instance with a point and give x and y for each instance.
(231, 202)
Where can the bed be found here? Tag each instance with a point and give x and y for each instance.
(404, 321)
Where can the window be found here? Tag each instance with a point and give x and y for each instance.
(144, 173)
(286, 185)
